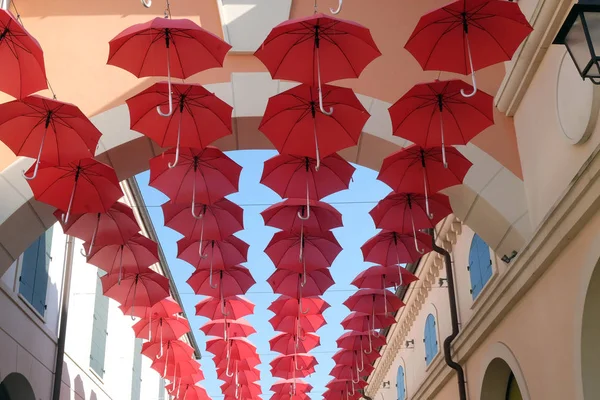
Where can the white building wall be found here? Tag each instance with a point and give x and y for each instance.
(28, 341)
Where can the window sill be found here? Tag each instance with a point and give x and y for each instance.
(29, 311)
(484, 289)
(437, 355)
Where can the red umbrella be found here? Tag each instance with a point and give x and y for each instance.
(355, 340)
(287, 396)
(468, 35)
(291, 250)
(289, 343)
(293, 386)
(232, 391)
(234, 307)
(247, 363)
(193, 392)
(52, 132)
(357, 321)
(200, 117)
(201, 176)
(297, 323)
(407, 212)
(239, 348)
(296, 177)
(393, 248)
(136, 289)
(292, 117)
(229, 282)
(169, 366)
(219, 220)
(436, 114)
(177, 348)
(161, 328)
(380, 277)
(331, 394)
(248, 391)
(23, 70)
(84, 186)
(285, 305)
(115, 226)
(145, 50)
(351, 372)
(178, 384)
(287, 215)
(164, 308)
(290, 283)
(243, 376)
(137, 253)
(297, 365)
(341, 384)
(317, 49)
(349, 357)
(226, 328)
(216, 254)
(421, 170)
(373, 301)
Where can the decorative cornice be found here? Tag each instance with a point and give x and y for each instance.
(427, 271)
(580, 201)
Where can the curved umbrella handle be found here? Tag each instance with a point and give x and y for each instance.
(473, 80)
(170, 112)
(65, 217)
(178, 145)
(362, 362)
(147, 3)
(39, 156)
(336, 12)
(352, 379)
(370, 345)
(307, 216)
(227, 370)
(82, 251)
(199, 216)
(296, 363)
(224, 308)
(420, 251)
(210, 276)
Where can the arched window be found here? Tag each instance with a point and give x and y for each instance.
(480, 265)
(430, 339)
(400, 384)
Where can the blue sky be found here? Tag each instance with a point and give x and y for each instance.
(354, 204)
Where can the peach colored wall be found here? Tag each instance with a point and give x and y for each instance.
(549, 161)
(542, 329)
(75, 35)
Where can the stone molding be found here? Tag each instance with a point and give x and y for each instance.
(578, 203)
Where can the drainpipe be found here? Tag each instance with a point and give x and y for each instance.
(64, 310)
(460, 373)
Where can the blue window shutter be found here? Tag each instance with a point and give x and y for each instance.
(431, 344)
(136, 376)
(34, 271)
(99, 331)
(480, 265)
(400, 384)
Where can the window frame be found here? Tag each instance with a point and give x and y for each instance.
(401, 369)
(23, 265)
(476, 269)
(430, 329)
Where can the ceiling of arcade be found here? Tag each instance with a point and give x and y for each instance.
(492, 201)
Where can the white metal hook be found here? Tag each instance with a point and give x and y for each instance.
(147, 3)
(210, 277)
(473, 80)
(296, 362)
(336, 12)
(352, 378)
(199, 216)
(307, 216)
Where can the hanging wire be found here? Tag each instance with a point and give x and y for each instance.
(13, 3)
(167, 9)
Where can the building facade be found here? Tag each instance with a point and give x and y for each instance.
(524, 239)
(102, 357)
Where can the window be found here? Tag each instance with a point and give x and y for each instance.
(99, 330)
(431, 343)
(33, 282)
(161, 389)
(400, 384)
(480, 265)
(136, 377)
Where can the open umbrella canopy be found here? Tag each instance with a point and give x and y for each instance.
(115, 226)
(373, 301)
(297, 365)
(294, 323)
(359, 321)
(287, 385)
(357, 340)
(176, 348)
(23, 69)
(226, 328)
(393, 248)
(233, 307)
(239, 349)
(351, 357)
(135, 289)
(286, 215)
(293, 176)
(351, 371)
(379, 277)
(297, 285)
(232, 281)
(216, 254)
(285, 305)
(164, 308)
(161, 328)
(193, 392)
(318, 251)
(288, 343)
(138, 251)
(242, 376)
